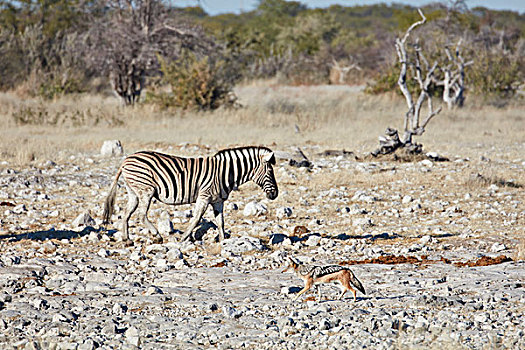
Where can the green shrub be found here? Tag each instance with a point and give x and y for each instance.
(195, 83)
(495, 75)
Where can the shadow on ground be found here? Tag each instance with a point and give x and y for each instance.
(53, 234)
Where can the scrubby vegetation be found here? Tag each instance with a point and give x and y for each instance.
(55, 47)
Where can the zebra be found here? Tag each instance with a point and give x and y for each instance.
(178, 180)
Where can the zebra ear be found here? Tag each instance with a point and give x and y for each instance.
(270, 158)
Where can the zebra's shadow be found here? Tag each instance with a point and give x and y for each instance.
(52, 234)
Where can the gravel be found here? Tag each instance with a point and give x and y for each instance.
(66, 283)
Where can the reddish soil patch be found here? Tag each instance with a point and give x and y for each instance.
(401, 259)
(219, 264)
(484, 261)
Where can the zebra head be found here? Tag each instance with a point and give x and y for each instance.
(264, 177)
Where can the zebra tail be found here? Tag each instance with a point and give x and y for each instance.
(110, 200)
(356, 283)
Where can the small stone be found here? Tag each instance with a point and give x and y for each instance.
(19, 209)
(498, 247)
(111, 148)
(313, 240)
(153, 290)
(425, 239)
(93, 237)
(254, 209)
(230, 312)
(103, 253)
(283, 212)
(362, 222)
(407, 199)
(132, 336)
(325, 324)
(83, 220)
(174, 254)
(109, 329)
(165, 226)
(119, 308)
(427, 163)
(180, 264)
(48, 248)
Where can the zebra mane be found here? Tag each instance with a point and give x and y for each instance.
(228, 150)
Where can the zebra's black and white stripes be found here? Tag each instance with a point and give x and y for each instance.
(178, 180)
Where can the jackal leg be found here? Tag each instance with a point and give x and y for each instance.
(307, 285)
(218, 212)
(345, 287)
(200, 208)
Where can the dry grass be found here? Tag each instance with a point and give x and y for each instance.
(330, 116)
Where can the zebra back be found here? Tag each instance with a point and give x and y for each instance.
(177, 180)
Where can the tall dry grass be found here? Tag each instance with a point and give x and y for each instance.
(330, 116)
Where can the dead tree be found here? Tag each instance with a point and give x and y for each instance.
(412, 125)
(338, 73)
(126, 42)
(454, 78)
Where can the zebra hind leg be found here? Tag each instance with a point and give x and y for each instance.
(133, 201)
(145, 197)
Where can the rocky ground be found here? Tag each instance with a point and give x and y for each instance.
(420, 227)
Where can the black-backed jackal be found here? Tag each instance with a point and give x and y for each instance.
(323, 274)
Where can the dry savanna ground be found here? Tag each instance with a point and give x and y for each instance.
(359, 208)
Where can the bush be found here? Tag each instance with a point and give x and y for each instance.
(195, 83)
(496, 75)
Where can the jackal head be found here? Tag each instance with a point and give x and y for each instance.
(292, 264)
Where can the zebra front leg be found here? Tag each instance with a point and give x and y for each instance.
(218, 212)
(200, 208)
(145, 197)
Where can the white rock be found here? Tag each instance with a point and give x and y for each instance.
(241, 245)
(181, 264)
(103, 253)
(254, 209)
(407, 199)
(362, 222)
(230, 312)
(48, 247)
(497, 247)
(313, 241)
(155, 249)
(132, 336)
(19, 209)
(165, 226)
(174, 254)
(93, 237)
(83, 220)
(427, 163)
(283, 212)
(426, 239)
(153, 290)
(111, 148)
(161, 263)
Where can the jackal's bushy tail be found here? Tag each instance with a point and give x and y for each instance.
(110, 200)
(357, 284)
